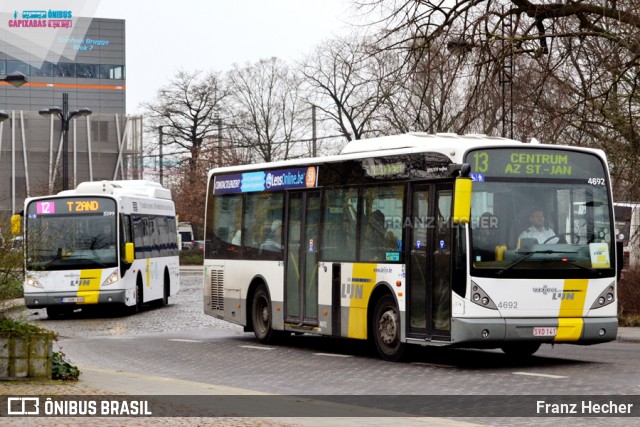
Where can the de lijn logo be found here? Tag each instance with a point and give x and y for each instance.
(41, 19)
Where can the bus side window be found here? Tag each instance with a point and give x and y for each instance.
(339, 227)
(381, 224)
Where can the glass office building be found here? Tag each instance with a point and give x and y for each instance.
(83, 58)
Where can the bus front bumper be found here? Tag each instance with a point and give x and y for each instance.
(493, 332)
(38, 300)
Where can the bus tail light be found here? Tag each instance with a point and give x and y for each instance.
(606, 297)
(113, 278)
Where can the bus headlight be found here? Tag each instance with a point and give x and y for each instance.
(32, 282)
(481, 298)
(113, 278)
(606, 297)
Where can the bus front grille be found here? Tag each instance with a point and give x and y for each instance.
(217, 289)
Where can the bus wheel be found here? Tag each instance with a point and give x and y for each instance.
(261, 316)
(525, 349)
(386, 329)
(165, 293)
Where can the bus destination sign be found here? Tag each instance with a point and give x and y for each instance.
(532, 163)
(72, 206)
(274, 180)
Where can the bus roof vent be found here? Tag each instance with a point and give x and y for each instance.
(140, 187)
(96, 187)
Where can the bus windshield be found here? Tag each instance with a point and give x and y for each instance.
(543, 210)
(71, 233)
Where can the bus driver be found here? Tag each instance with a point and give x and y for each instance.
(538, 230)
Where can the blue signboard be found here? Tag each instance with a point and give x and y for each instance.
(276, 180)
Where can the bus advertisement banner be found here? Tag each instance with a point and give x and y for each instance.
(274, 180)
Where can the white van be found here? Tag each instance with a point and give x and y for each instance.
(186, 235)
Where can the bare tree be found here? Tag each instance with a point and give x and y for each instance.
(186, 108)
(266, 113)
(347, 81)
(562, 71)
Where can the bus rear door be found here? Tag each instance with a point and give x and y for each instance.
(301, 292)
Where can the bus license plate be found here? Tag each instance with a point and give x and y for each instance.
(73, 299)
(544, 332)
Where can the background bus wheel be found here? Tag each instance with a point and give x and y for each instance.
(525, 349)
(165, 292)
(386, 329)
(261, 316)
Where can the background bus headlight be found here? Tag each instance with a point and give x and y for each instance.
(113, 278)
(32, 282)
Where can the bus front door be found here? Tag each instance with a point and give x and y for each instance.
(429, 281)
(301, 292)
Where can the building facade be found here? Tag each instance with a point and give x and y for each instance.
(83, 58)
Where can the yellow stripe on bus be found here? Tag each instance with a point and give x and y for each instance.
(570, 323)
(148, 272)
(89, 286)
(364, 276)
(569, 329)
(573, 297)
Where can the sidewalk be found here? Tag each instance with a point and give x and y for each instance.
(628, 334)
(101, 383)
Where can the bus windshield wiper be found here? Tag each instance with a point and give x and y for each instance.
(593, 270)
(528, 255)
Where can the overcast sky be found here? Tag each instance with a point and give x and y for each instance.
(165, 36)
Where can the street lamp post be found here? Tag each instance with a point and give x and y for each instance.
(16, 79)
(65, 116)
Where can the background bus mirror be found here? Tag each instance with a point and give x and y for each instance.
(462, 201)
(129, 252)
(16, 223)
(619, 258)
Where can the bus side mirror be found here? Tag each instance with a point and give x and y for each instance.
(16, 223)
(462, 201)
(129, 252)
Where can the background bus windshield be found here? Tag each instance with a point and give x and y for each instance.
(71, 233)
(544, 210)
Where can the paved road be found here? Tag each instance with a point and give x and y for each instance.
(197, 351)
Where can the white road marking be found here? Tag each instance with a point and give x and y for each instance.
(332, 355)
(255, 347)
(181, 340)
(435, 365)
(531, 374)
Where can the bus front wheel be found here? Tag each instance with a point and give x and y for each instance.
(261, 315)
(386, 329)
(520, 349)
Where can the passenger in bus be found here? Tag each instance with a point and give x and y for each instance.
(274, 240)
(376, 237)
(538, 229)
(485, 238)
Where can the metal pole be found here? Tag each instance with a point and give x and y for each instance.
(13, 161)
(313, 131)
(219, 142)
(160, 149)
(65, 141)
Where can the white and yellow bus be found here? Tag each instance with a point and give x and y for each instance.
(417, 239)
(104, 243)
